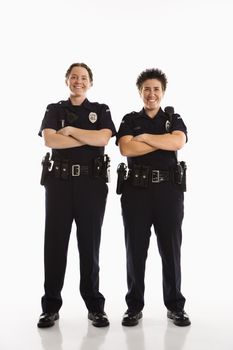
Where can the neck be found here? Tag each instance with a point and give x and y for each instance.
(77, 100)
(151, 112)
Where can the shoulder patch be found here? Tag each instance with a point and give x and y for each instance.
(106, 107)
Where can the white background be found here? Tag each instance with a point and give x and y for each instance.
(191, 42)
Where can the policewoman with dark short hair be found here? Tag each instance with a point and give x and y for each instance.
(152, 195)
(74, 178)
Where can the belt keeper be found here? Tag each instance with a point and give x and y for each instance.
(64, 170)
(136, 175)
(56, 169)
(144, 176)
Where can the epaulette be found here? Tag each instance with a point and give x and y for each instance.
(62, 102)
(131, 114)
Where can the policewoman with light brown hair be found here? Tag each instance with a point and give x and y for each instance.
(75, 177)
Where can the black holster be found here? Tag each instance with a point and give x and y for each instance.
(46, 165)
(180, 175)
(121, 177)
(101, 167)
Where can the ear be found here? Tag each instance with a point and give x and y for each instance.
(66, 81)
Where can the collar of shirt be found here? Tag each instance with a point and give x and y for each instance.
(142, 113)
(86, 104)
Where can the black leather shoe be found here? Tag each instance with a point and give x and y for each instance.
(99, 319)
(180, 318)
(47, 319)
(131, 318)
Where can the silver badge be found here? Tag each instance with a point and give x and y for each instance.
(92, 117)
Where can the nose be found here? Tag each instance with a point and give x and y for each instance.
(151, 93)
(78, 79)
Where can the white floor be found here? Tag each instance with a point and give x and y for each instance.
(210, 330)
(206, 284)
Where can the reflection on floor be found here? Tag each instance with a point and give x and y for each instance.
(157, 333)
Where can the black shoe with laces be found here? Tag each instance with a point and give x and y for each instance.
(180, 318)
(131, 318)
(47, 319)
(99, 319)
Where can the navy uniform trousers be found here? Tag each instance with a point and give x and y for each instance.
(161, 206)
(80, 199)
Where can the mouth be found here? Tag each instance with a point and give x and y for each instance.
(77, 87)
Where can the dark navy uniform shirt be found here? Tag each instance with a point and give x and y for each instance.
(89, 116)
(137, 123)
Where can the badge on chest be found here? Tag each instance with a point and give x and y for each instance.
(93, 117)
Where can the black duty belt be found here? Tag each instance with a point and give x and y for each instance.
(142, 175)
(64, 169)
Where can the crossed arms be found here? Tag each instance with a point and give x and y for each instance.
(70, 137)
(131, 146)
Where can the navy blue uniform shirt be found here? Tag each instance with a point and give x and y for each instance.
(89, 116)
(137, 123)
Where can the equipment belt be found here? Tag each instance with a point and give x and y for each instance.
(65, 169)
(154, 176)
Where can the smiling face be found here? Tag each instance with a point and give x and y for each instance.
(78, 82)
(151, 93)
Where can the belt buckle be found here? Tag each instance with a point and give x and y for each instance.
(76, 170)
(155, 176)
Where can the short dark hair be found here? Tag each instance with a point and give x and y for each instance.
(153, 73)
(79, 65)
